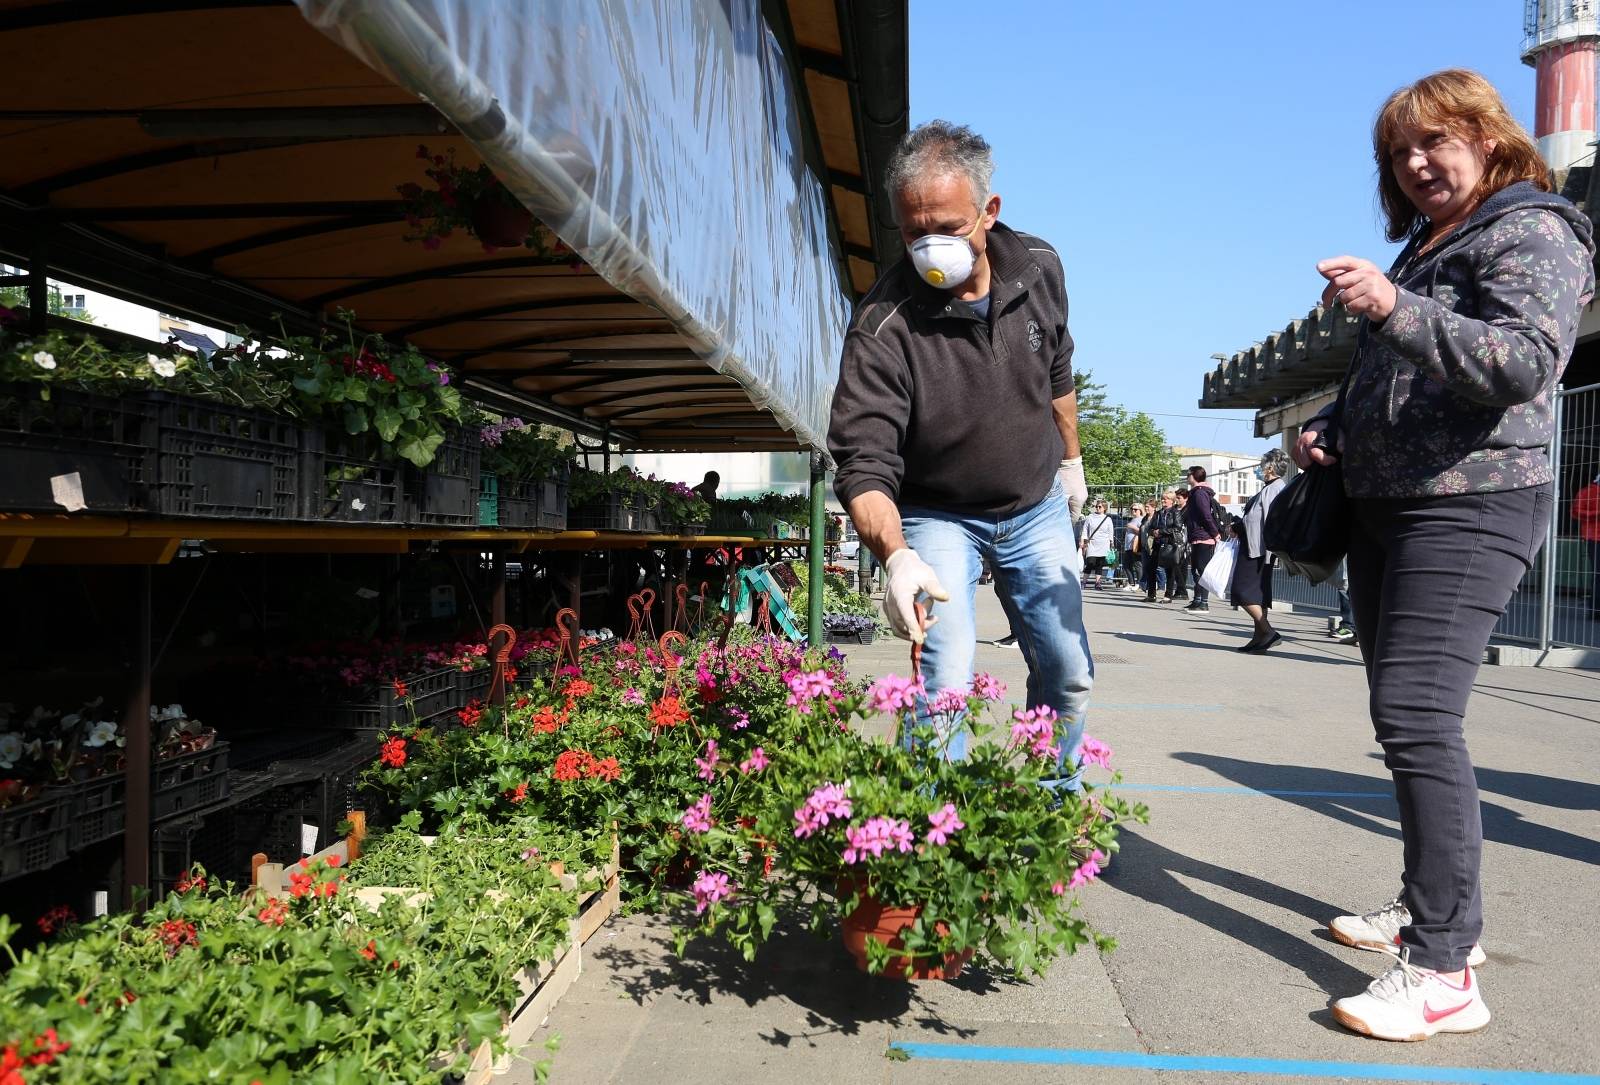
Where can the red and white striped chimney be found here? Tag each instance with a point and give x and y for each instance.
(1559, 41)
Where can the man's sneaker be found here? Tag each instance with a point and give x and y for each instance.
(1407, 1003)
(1380, 930)
(1007, 641)
(1343, 634)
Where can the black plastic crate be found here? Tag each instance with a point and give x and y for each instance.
(676, 527)
(552, 494)
(433, 695)
(98, 810)
(108, 442)
(534, 503)
(849, 638)
(613, 512)
(445, 493)
(189, 781)
(229, 462)
(473, 685)
(342, 479)
(33, 835)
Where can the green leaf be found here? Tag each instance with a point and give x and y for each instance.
(388, 422)
(355, 419)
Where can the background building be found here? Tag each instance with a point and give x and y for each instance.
(1231, 474)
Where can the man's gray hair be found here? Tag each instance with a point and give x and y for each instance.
(940, 149)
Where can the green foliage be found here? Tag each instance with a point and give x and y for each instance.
(513, 449)
(1091, 394)
(1123, 449)
(837, 597)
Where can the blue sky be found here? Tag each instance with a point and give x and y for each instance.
(1192, 161)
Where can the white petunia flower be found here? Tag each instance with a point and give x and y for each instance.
(10, 749)
(44, 359)
(101, 733)
(171, 712)
(163, 367)
(357, 504)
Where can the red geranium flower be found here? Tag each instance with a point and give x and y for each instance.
(570, 764)
(668, 712)
(56, 918)
(401, 690)
(578, 688)
(185, 883)
(177, 933)
(394, 753)
(607, 769)
(275, 912)
(517, 794)
(547, 720)
(471, 714)
(371, 950)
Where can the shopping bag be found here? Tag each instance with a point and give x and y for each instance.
(1218, 577)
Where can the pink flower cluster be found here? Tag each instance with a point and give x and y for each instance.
(697, 819)
(1087, 871)
(1035, 728)
(827, 803)
(755, 762)
(806, 686)
(710, 888)
(891, 693)
(878, 835)
(949, 702)
(988, 687)
(1094, 752)
(708, 763)
(942, 824)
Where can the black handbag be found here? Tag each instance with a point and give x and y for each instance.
(1308, 525)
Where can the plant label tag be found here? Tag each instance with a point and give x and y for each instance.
(102, 902)
(67, 491)
(308, 838)
(366, 593)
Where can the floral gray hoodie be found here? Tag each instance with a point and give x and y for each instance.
(1452, 393)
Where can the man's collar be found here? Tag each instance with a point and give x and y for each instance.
(1011, 270)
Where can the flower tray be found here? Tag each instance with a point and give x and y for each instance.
(433, 695)
(226, 462)
(107, 442)
(529, 504)
(98, 810)
(612, 512)
(445, 493)
(341, 480)
(686, 529)
(867, 637)
(33, 835)
(473, 685)
(189, 781)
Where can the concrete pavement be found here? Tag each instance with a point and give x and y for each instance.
(1270, 814)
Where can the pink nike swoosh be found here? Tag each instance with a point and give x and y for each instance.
(1430, 1015)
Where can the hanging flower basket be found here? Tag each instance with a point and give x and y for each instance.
(502, 223)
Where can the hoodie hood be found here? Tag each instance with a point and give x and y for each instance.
(1523, 195)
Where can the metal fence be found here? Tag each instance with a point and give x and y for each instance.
(1558, 602)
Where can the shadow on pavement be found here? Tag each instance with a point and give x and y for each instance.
(1155, 874)
(795, 966)
(1500, 825)
(1278, 653)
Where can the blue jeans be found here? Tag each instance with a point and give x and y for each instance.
(1036, 567)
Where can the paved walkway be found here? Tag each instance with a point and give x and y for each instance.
(1270, 814)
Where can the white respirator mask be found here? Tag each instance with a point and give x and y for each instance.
(943, 260)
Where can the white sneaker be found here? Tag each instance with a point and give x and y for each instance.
(1407, 1003)
(1380, 930)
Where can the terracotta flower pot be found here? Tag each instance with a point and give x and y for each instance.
(502, 223)
(884, 924)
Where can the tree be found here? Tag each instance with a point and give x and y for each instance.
(16, 297)
(1091, 393)
(1125, 453)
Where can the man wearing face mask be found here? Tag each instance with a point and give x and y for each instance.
(955, 430)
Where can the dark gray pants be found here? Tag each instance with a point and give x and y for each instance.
(1429, 577)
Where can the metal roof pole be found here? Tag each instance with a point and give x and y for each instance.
(819, 485)
(136, 726)
(38, 285)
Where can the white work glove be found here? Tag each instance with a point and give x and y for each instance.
(909, 577)
(1073, 485)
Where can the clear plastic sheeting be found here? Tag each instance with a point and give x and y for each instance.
(662, 142)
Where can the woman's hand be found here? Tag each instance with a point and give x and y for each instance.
(1359, 286)
(1306, 453)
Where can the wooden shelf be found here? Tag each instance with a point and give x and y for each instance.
(50, 539)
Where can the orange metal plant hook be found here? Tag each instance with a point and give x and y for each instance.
(680, 621)
(669, 659)
(502, 662)
(567, 623)
(647, 604)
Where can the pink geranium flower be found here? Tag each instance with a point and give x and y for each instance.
(1035, 729)
(1088, 870)
(710, 888)
(697, 819)
(878, 835)
(949, 702)
(806, 686)
(988, 687)
(708, 763)
(827, 803)
(891, 693)
(1094, 752)
(755, 762)
(942, 824)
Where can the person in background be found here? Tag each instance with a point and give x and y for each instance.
(1132, 556)
(1251, 587)
(1201, 520)
(1178, 585)
(1343, 627)
(1098, 537)
(955, 428)
(1586, 510)
(1164, 548)
(1444, 438)
(707, 489)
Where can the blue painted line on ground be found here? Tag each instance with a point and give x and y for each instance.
(1097, 706)
(1139, 1060)
(1272, 791)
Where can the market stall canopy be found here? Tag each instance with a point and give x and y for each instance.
(710, 168)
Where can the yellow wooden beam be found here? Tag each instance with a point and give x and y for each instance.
(103, 551)
(13, 552)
